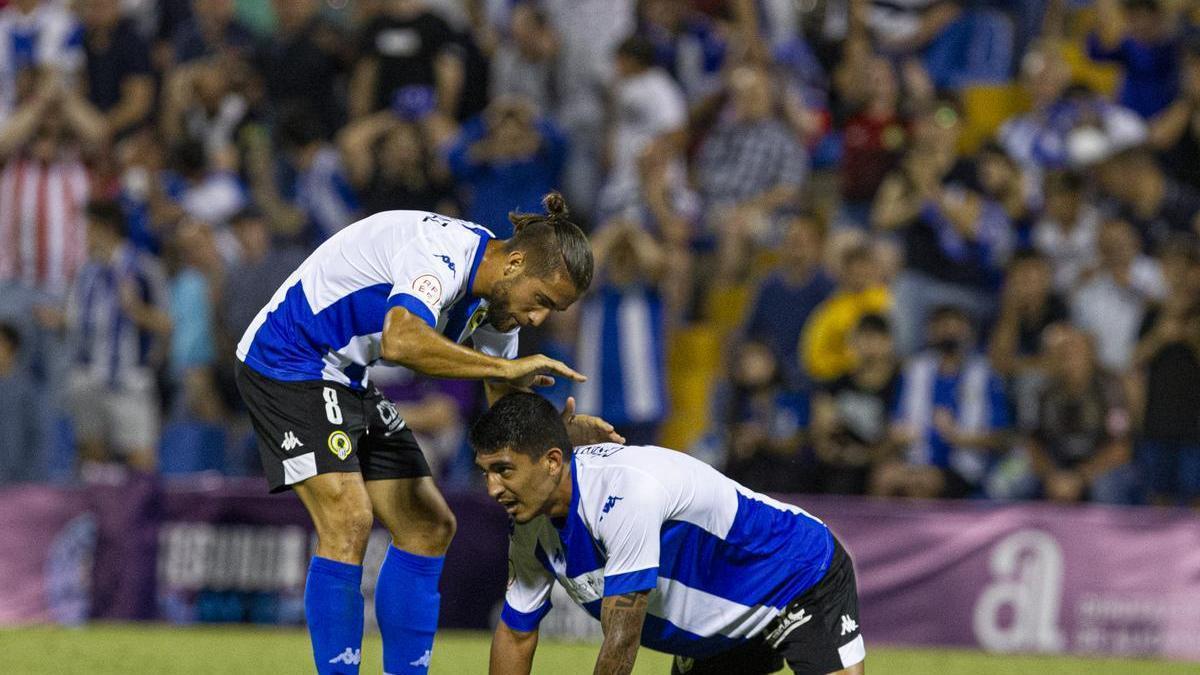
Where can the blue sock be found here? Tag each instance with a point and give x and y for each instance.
(333, 605)
(406, 604)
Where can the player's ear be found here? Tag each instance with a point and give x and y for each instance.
(514, 263)
(554, 460)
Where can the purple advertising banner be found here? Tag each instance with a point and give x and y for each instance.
(1024, 577)
(1015, 577)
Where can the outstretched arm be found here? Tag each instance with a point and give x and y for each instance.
(622, 617)
(512, 651)
(409, 341)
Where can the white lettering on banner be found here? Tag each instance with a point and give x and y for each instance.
(193, 556)
(1019, 610)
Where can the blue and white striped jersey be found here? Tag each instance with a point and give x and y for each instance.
(325, 321)
(719, 560)
(622, 349)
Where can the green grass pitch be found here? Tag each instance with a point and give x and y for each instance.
(167, 650)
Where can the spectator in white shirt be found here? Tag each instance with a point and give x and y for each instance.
(649, 116)
(1111, 303)
(1068, 229)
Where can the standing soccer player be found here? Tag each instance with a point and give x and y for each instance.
(665, 551)
(406, 288)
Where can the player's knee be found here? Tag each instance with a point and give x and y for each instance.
(442, 528)
(343, 522)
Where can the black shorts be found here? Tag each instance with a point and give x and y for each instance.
(305, 429)
(817, 633)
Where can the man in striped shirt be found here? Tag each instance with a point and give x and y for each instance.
(44, 187)
(117, 320)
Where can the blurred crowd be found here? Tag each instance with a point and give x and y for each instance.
(915, 312)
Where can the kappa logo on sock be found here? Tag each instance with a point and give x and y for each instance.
(350, 657)
(425, 659)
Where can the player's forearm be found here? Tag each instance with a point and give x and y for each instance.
(622, 617)
(410, 342)
(512, 652)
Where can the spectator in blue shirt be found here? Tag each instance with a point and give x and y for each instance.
(120, 81)
(622, 334)
(116, 318)
(953, 414)
(1136, 34)
(213, 28)
(956, 241)
(193, 353)
(788, 295)
(321, 189)
(507, 159)
(18, 461)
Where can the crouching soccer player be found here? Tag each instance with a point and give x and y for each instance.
(404, 287)
(665, 551)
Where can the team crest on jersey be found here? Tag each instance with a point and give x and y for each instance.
(428, 288)
(339, 444)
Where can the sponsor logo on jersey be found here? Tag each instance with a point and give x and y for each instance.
(290, 442)
(428, 288)
(350, 657)
(788, 622)
(339, 444)
(389, 416)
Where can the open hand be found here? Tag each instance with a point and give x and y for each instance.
(538, 371)
(587, 429)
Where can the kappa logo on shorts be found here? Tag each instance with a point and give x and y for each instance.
(848, 624)
(290, 442)
(339, 444)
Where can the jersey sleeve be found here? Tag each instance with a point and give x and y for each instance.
(629, 527)
(527, 600)
(494, 343)
(425, 279)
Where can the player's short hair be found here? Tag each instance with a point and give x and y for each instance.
(637, 49)
(1028, 256)
(552, 242)
(873, 323)
(107, 214)
(948, 312)
(522, 422)
(1062, 180)
(9, 334)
